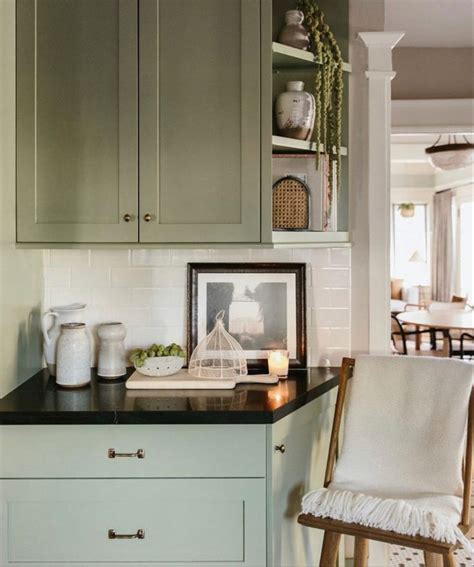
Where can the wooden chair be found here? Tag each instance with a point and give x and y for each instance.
(434, 551)
(399, 336)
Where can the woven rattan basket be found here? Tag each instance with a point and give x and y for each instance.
(290, 204)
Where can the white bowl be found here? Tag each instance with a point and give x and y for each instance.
(161, 365)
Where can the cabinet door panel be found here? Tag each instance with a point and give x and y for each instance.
(200, 120)
(77, 120)
(219, 522)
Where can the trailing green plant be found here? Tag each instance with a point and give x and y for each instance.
(328, 90)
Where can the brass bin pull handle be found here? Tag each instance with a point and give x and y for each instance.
(140, 454)
(139, 535)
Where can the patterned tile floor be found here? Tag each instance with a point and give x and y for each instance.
(406, 557)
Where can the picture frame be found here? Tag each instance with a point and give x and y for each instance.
(249, 294)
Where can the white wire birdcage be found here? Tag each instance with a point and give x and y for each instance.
(218, 355)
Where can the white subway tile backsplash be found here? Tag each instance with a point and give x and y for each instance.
(328, 317)
(157, 257)
(169, 276)
(330, 356)
(340, 256)
(340, 297)
(110, 258)
(92, 277)
(322, 297)
(164, 316)
(340, 338)
(76, 258)
(111, 295)
(56, 277)
(68, 295)
(182, 257)
(301, 255)
(320, 257)
(140, 336)
(125, 277)
(146, 290)
(270, 255)
(331, 277)
(174, 297)
(231, 255)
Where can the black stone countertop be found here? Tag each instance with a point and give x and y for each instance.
(40, 401)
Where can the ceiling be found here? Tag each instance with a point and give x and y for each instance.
(432, 23)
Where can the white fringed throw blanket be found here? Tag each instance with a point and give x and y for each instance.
(404, 439)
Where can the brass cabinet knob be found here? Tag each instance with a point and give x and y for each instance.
(127, 217)
(280, 448)
(147, 217)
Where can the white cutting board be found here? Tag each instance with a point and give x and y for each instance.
(184, 381)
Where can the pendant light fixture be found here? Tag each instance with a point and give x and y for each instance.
(452, 155)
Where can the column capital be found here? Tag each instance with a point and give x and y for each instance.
(381, 39)
(379, 46)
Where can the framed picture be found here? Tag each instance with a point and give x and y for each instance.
(264, 307)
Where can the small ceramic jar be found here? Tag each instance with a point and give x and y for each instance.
(295, 112)
(293, 33)
(112, 350)
(73, 357)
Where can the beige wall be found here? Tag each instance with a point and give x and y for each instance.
(20, 270)
(433, 73)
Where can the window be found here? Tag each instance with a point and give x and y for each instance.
(465, 250)
(410, 246)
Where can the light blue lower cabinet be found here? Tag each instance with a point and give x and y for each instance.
(59, 512)
(202, 522)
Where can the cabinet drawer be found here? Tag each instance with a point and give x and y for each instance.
(78, 451)
(184, 522)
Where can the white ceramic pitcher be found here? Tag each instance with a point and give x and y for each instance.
(63, 314)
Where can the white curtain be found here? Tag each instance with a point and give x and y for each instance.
(443, 255)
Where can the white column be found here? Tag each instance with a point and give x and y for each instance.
(379, 75)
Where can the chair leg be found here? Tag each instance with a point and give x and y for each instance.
(330, 549)
(433, 559)
(361, 552)
(448, 560)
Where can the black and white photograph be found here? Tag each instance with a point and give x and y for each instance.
(263, 306)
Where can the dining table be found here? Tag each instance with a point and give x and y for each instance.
(443, 320)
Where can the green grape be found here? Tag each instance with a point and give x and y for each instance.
(166, 351)
(151, 352)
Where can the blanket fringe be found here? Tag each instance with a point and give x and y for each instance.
(386, 514)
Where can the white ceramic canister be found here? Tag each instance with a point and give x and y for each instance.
(112, 350)
(295, 112)
(293, 33)
(62, 314)
(73, 356)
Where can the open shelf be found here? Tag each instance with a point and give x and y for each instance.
(290, 145)
(285, 57)
(309, 238)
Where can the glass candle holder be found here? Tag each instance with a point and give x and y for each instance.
(278, 362)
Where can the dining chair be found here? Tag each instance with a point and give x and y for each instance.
(463, 350)
(400, 336)
(377, 443)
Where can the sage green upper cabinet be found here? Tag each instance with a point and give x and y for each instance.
(77, 121)
(199, 121)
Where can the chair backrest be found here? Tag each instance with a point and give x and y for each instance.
(398, 335)
(446, 306)
(347, 369)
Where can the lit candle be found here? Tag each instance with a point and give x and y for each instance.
(278, 363)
